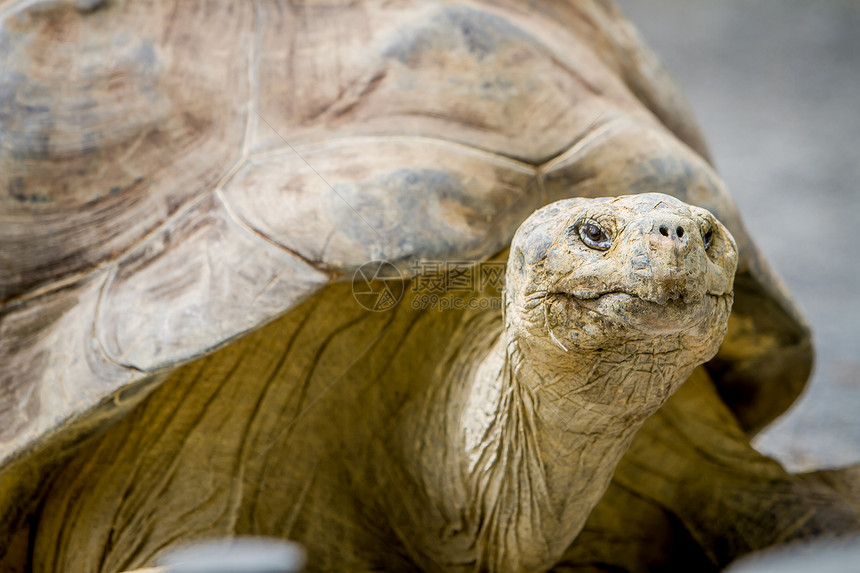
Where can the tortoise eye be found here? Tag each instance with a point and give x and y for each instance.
(707, 238)
(594, 236)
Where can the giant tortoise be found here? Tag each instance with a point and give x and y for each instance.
(191, 187)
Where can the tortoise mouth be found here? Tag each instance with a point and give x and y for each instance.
(671, 298)
(629, 311)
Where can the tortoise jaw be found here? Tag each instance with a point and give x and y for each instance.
(672, 313)
(661, 298)
(660, 292)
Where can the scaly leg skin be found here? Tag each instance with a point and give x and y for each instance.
(846, 481)
(692, 493)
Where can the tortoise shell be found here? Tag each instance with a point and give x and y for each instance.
(174, 175)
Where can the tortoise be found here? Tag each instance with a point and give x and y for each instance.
(192, 186)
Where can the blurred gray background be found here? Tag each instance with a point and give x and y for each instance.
(776, 87)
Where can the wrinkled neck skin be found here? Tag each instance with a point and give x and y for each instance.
(533, 435)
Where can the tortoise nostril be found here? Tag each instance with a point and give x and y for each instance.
(680, 232)
(664, 230)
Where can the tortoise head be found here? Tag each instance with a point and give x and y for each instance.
(589, 274)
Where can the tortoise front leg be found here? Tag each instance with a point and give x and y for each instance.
(692, 488)
(630, 533)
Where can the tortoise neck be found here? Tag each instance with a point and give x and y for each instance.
(537, 446)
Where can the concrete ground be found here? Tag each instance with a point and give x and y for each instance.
(776, 87)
